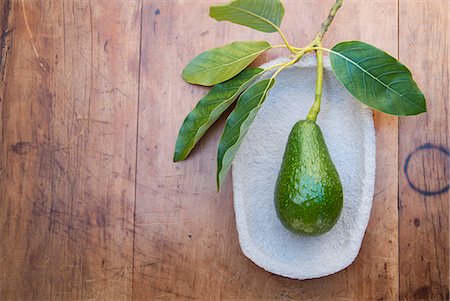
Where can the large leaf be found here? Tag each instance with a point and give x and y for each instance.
(262, 15)
(238, 124)
(208, 109)
(376, 78)
(220, 64)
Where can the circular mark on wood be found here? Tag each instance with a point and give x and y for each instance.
(432, 150)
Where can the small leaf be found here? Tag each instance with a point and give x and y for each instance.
(209, 109)
(377, 79)
(220, 64)
(262, 15)
(238, 124)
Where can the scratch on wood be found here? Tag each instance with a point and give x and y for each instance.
(30, 34)
(182, 221)
(92, 120)
(102, 75)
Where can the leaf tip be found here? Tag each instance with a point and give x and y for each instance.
(422, 106)
(218, 185)
(219, 178)
(218, 172)
(177, 157)
(212, 11)
(185, 74)
(425, 109)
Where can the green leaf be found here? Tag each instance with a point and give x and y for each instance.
(238, 124)
(376, 79)
(262, 15)
(220, 64)
(209, 109)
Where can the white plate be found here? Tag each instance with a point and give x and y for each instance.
(349, 133)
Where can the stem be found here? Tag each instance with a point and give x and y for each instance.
(278, 46)
(315, 109)
(282, 67)
(296, 49)
(274, 66)
(327, 22)
(316, 44)
(319, 36)
(297, 57)
(286, 41)
(320, 48)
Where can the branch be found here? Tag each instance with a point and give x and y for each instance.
(327, 22)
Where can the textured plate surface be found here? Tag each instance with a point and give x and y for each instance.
(348, 129)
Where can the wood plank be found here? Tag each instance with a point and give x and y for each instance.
(186, 244)
(423, 152)
(69, 117)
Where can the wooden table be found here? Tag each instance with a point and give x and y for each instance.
(91, 205)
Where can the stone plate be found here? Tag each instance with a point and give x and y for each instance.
(349, 132)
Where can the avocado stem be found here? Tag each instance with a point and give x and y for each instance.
(317, 42)
(315, 109)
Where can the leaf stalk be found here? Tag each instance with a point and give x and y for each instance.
(283, 37)
(297, 57)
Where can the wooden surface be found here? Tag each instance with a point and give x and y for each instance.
(92, 207)
(424, 155)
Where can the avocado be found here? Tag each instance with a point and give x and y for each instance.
(308, 192)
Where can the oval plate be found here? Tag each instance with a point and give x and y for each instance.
(349, 132)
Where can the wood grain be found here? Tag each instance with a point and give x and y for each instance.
(423, 140)
(69, 116)
(186, 242)
(91, 205)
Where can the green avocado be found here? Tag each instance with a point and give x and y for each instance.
(308, 192)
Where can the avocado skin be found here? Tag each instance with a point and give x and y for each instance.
(308, 192)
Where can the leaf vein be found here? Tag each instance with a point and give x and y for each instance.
(375, 78)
